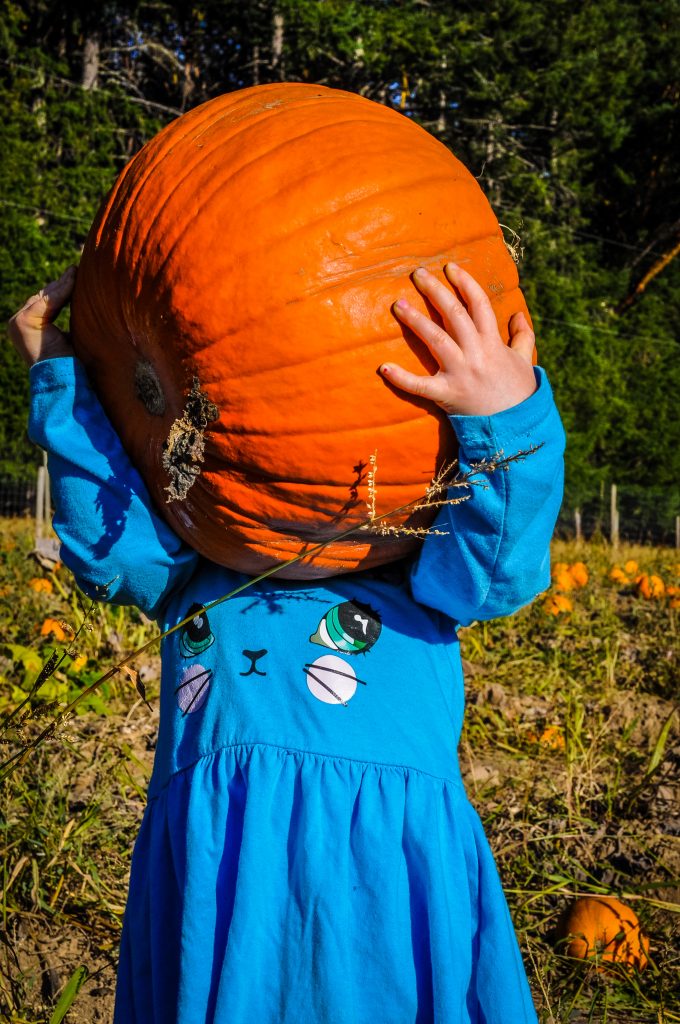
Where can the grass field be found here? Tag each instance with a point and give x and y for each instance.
(570, 752)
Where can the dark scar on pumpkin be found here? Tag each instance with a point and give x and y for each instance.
(184, 449)
(148, 388)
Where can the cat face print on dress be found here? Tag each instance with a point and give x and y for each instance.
(195, 638)
(351, 627)
(197, 635)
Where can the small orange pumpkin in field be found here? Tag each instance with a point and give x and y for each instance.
(233, 304)
(579, 573)
(603, 929)
(557, 604)
(650, 586)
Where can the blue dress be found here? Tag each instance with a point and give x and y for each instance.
(308, 854)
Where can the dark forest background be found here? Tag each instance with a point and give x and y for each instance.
(566, 110)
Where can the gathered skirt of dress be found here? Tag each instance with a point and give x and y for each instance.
(277, 886)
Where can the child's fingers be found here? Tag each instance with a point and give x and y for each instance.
(43, 307)
(31, 329)
(432, 388)
(456, 317)
(522, 338)
(441, 345)
(478, 302)
(57, 293)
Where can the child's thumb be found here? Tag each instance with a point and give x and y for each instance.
(56, 293)
(522, 338)
(46, 304)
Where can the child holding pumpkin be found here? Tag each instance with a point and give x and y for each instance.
(297, 861)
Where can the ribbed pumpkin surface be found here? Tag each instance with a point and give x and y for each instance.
(252, 251)
(604, 929)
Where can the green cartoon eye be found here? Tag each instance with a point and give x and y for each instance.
(352, 627)
(196, 636)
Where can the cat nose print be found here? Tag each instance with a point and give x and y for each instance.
(254, 657)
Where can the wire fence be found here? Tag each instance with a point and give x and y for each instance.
(634, 515)
(637, 516)
(17, 497)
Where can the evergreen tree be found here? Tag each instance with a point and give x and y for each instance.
(565, 110)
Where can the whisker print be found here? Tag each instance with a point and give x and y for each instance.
(335, 671)
(192, 679)
(326, 687)
(198, 693)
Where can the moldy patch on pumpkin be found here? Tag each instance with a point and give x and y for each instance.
(148, 388)
(183, 451)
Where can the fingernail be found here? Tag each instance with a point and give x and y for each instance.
(401, 304)
(419, 272)
(451, 265)
(384, 369)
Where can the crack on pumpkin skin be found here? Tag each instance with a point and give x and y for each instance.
(184, 448)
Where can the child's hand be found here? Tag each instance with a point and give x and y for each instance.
(478, 374)
(31, 330)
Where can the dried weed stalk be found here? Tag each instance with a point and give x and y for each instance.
(437, 494)
(513, 245)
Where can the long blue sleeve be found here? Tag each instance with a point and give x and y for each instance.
(118, 549)
(495, 556)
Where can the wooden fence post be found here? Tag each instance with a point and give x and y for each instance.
(40, 504)
(613, 517)
(43, 503)
(48, 496)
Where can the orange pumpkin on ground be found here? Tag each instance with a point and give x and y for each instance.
(551, 737)
(53, 627)
(41, 585)
(564, 580)
(650, 586)
(618, 575)
(579, 573)
(233, 304)
(557, 604)
(603, 929)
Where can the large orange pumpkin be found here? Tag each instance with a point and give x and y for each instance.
(603, 929)
(233, 303)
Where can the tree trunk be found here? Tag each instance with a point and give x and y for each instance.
(91, 61)
(660, 264)
(441, 120)
(188, 84)
(277, 46)
(489, 155)
(554, 163)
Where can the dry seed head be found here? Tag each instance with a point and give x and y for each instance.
(447, 477)
(370, 485)
(513, 245)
